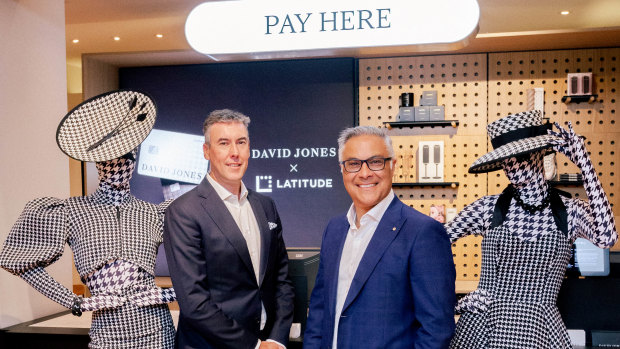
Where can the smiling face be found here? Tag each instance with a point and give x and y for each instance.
(228, 151)
(366, 187)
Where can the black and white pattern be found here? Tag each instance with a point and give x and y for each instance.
(527, 177)
(594, 219)
(146, 296)
(114, 278)
(114, 238)
(525, 258)
(514, 122)
(521, 280)
(476, 302)
(492, 160)
(132, 326)
(43, 282)
(114, 123)
(102, 301)
(123, 280)
(114, 176)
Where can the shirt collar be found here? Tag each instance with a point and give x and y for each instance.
(375, 213)
(224, 194)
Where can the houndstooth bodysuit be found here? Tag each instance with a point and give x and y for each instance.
(114, 238)
(525, 250)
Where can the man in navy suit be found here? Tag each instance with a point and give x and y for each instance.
(225, 251)
(386, 274)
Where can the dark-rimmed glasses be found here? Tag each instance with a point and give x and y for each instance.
(355, 165)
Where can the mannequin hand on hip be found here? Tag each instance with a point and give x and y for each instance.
(151, 296)
(102, 302)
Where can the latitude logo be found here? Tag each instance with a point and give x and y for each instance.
(264, 184)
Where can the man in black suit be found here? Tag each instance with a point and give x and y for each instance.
(225, 251)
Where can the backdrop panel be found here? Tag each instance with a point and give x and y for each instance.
(297, 110)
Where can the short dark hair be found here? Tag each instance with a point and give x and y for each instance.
(225, 116)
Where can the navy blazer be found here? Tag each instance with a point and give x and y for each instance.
(211, 270)
(402, 294)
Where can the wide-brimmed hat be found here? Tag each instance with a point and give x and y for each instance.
(107, 126)
(513, 136)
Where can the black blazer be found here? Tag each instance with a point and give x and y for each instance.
(213, 277)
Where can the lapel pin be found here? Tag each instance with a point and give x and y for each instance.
(393, 229)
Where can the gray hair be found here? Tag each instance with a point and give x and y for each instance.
(223, 115)
(351, 132)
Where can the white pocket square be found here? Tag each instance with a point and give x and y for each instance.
(272, 225)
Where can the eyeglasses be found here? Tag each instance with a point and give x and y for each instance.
(374, 164)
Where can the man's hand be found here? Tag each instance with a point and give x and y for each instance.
(269, 345)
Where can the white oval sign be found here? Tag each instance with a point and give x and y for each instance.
(272, 26)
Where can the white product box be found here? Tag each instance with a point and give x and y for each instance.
(579, 84)
(536, 99)
(450, 213)
(430, 161)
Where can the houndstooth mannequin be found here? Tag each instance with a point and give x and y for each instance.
(114, 238)
(525, 250)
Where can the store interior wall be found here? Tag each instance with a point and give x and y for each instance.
(477, 89)
(33, 100)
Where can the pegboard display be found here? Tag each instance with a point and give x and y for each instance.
(476, 96)
(460, 82)
(511, 74)
(461, 85)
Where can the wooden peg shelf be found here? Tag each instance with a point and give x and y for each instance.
(426, 184)
(578, 99)
(401, 124)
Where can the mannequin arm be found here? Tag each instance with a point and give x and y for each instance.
(594, 219)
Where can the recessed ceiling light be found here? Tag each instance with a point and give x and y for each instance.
(565, 13)
(159, 35)
(116, 38)
(75, 41)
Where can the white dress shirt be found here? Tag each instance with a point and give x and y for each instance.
(354, 247)
(241, 211)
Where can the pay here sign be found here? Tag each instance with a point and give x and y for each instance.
(274, 28)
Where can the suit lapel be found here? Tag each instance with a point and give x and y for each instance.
(265, 234)
(216, 209)
(386, 231)
(331, 271)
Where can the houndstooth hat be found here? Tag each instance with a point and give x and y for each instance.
(514, 135)
(106, 126)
